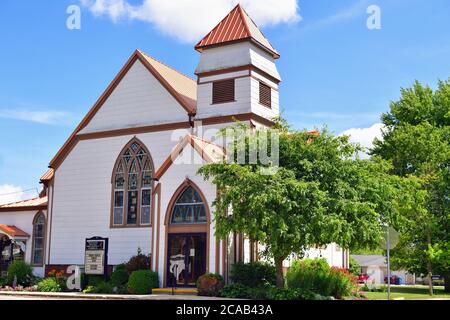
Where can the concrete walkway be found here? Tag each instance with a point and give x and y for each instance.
(7, 295)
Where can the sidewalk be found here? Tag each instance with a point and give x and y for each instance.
(77, 296)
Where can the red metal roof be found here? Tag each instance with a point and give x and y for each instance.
(13, 231)
(48, 175)
(237, 25)
(30, 204)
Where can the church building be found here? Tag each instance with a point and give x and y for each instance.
(117, 176)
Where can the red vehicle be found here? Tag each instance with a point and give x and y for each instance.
(363, 277)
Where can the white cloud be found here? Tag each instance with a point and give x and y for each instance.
(190, 20)
(365, 136)
(10, 193)
(43, 117)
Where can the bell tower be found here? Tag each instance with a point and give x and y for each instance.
(237, 74)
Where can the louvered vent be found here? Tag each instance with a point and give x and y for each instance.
(223, 91)
(265, 95)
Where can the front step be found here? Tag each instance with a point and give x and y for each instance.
(176, 291)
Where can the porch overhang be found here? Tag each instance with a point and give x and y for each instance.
(13, 233)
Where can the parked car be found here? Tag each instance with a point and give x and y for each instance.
(362, 278)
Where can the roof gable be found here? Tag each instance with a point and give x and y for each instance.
(181, 87)
(236, 26)
(209, 151)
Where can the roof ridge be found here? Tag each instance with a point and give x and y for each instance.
(168, 66)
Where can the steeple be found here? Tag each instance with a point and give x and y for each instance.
(236, 26)
(237, 73)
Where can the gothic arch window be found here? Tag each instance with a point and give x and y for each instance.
(189, 208)
(132, 186)
(38, 242)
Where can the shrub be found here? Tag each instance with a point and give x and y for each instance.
(354, 268)
(275, 293)
(49, 285)
(253, 274)
(23, 271)
(3, 282)
(104, 287)
(119, 277)
(94, 281)
(210, 284)
(266, 292)
(138, 262)
(317, 276)
(142, 282)
(236, 290)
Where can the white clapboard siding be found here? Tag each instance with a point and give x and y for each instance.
(138, 100)
(82, 199)
(234, 55)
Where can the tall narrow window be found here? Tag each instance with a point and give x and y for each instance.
(265, 95)
(189, 208)
(132, 184)
(223, 91)
(37, 257)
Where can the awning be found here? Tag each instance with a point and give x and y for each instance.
(13, 233)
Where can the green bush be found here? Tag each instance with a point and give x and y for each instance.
(104, 287)
(354, 267)
(142, 282)
(318, 277)
(49, 285)
(266, 292)
(94, 281)
(119, 277)
(23, 271)
(3, 282)
(253, 274)
(275, 293)
(138, 262)
(236, 290)
(210, 284)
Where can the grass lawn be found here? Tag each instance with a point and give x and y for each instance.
(409, 293)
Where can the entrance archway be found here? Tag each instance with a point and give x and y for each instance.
(187, 224)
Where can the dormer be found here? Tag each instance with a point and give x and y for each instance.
(237, 73)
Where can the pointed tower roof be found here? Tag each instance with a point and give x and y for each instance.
(236, 26)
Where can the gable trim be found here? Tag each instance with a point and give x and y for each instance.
(188, 139)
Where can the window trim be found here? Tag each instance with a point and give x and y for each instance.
(33, 239)
(125, 189)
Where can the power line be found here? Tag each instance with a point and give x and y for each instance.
(21, 191)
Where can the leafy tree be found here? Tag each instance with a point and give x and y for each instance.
(320, 194)
(416, 141)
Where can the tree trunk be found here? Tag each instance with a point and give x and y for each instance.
(279, 268)
(430, 271)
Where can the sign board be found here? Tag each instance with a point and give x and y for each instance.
(95, 256)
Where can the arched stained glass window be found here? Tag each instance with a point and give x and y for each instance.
(132, 184)
(189, 208)
(37, 257)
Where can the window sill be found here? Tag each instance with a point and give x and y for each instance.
(231, 101)
(130, 226)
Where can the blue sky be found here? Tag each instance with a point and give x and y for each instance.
(335, 70)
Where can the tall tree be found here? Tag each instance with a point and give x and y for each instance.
(320, 194)
(417, 142)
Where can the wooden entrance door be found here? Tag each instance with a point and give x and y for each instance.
(186, 258)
